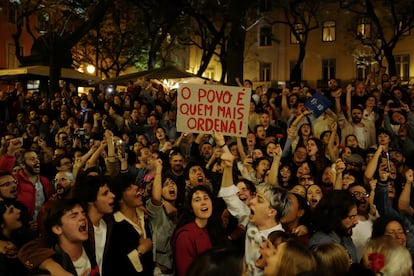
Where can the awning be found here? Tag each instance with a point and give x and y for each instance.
(168, 72)
(43, 71)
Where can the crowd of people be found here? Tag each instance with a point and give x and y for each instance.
(103, 184)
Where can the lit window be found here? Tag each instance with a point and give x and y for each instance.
(329, 31)
(364, 28)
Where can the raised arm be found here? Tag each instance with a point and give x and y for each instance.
(228, 190)
(337, 95)
(238, 82)
(272, 178)
(372, 207)
(339, 168)
(332, 150)
(80, 162)
(349, 100)
(300, 117)
(216, 154)
(373, 163)
(156, 197)
(93, 160)
(404, 200)
(240, 149)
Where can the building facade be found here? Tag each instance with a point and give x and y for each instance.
(335, 49)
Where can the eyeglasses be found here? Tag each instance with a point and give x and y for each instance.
(8, 183)
(306, 178)
(358, 194)
(56, 180)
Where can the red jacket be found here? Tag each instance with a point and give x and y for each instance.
(189, 241)
(26, 191)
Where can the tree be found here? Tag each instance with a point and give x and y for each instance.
(160, 23)
(207, 31)
(217, 30)
(301, 16)
(390, 21)
(61, 24)
(115, 43)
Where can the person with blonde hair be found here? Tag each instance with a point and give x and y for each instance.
(386, 257)
(291, 258)
(332, 259)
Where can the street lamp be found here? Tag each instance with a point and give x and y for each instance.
(90, 69)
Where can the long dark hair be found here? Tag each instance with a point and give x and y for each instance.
(217, 261)
(214, 226)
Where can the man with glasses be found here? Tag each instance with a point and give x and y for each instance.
(8, 186)
(367, 214)
(335, 216)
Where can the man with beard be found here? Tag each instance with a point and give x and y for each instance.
(32, 188)
(334, 218)
(367, 214)
(176, 173)
(356, 124)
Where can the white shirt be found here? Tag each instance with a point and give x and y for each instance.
(82, 264)
(100, 240)
(39, 197)
(254, 237)
(361, 233)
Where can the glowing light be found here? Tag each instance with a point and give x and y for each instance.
(90, 69)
